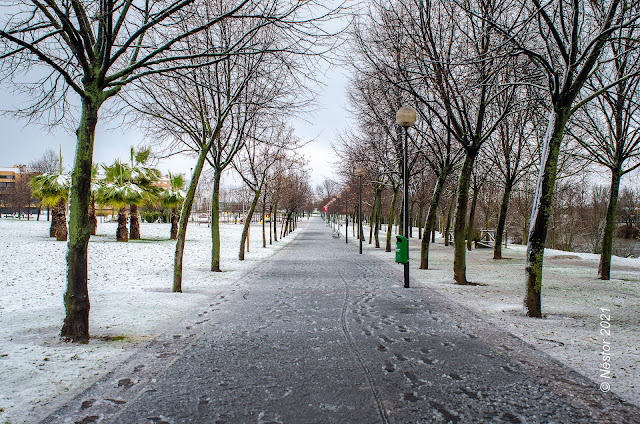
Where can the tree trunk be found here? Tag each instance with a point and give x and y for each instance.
(378, 218)
(264, 219)
(271, 220)
(541, 209)
(134, 222)
(121, 233)
(502, 219)
(174, 223)
(410, 219)
(247, 223)
(93, 219)
(274, 217)
(372, 219)
(431, 219)
(391, 214)
(604, 268)
(187, 205)
(459, 230)
(472, 217)
(447, 227)
(54, 220)
(76, 297)
(215, 222)
(419, 224)
(61, 220)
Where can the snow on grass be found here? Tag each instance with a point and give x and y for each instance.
(571, 300)
(131, 302)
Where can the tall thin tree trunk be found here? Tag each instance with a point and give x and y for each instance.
(187, 205)
(76, 299)
(541, 209)
(378, 218)
(419, 223)
(215, 222)
(271, 220)
(502, 218)
(247, 224)
(472, 218)
(410, 219)
(373, 213)
(391, 215)
(284, 224)
(274, 217)
(264, 219)
(459, 225)
(604, 268)
(134, 222)
(447, 226)
(431, 219)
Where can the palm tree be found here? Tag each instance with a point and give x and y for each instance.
(172, 198)
(143, 177)
(53, 190)
(119, 190)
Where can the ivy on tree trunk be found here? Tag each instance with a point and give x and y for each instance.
(604, 268)
(541, 209)
(459, 225)
(76, 299)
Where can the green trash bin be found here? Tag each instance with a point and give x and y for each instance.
(402, 250)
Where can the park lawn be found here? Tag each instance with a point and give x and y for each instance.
(131, 303)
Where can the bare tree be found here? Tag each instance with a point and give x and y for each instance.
(267, 146)
(609, 128)
(566, 41)
(93, 50)
(512, 152)
(450, 49)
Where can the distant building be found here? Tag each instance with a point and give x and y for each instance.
(9, 176)
(163, 182)
(13, 194)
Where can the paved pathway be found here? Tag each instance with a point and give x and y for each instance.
(320, 334)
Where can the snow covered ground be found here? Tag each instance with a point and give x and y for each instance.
(572, 298)
(131, 302)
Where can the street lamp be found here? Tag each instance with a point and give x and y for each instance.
(406, 117)
(360, 173)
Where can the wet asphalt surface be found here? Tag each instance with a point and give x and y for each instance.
(321, 334)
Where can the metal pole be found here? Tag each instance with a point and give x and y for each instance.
(405, 215)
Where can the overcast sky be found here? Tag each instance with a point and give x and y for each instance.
(21, 144)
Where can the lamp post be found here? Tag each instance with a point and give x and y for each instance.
(360, 173)
(406, 117)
